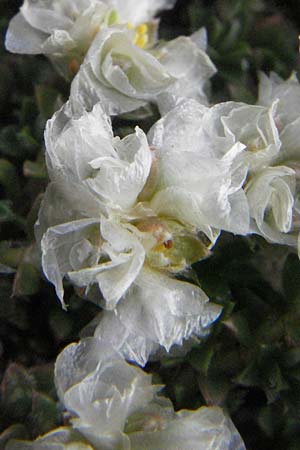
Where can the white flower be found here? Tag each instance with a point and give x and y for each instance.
(100, 227)
(101, 390)
(65, 29)
(114, 406)
(124, 75)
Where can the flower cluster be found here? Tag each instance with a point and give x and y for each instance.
(122, 218)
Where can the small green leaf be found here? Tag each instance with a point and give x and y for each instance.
(48, 100)
(9, 178)
(17, 431)
(34, 169)
(44, 414)
(27, 280)
(16, 392)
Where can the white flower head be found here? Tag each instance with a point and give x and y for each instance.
(114, 405)
(103, 228)
(65, 29)
(121, 72)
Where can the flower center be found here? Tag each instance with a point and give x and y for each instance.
(142, 33)
(169, 245)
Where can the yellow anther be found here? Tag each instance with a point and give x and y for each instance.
(141, 34)
(141, 40)
(142, 29)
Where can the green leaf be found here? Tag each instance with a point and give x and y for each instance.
(250, 375)
(239, 326)
(9, 178)
(200, 358)
(17, 431)
(44, 414)
(60, 324)
(34, 169)
(16, 391)
(48, 100)
(214, 387)
(44, 378)
(6, 212)
(27, 280)
(291, 279)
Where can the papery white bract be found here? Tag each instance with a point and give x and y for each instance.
(64, 29)
(99, 227)
(286, 92)
(125, 76)
(156, 311)
(198, 168)
(271, 200)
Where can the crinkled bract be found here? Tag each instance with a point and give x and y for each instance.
(194, 171)
(271, 199)
(156, 311)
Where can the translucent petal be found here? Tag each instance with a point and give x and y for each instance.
(206, 428)
(57, 244)
(159, 310)
(17, 30)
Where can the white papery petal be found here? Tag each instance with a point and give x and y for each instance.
(65, 201)
(132, 346)
(121, 178)
(286, 91)
(255, 127)
(206, 428)
(189, 65)
(272, 192)
(114, 277)
(66, 137)
(15, 42)
(199, 38)
(290, 149)
(179, 130)
(109, 172)
(159, 310)
(198, 183)
(56, 246)
(40, 16)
